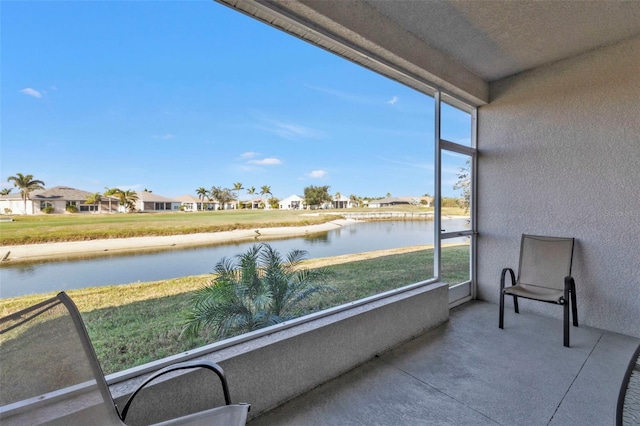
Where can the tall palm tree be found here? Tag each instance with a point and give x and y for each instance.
(253, 290)
(251, 191)
(128, 199)
(26, 184)
(265, 190)
(202, 194)
(237, 187)
(93, 199)
(110, 192)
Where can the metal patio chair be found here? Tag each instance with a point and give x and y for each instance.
(544, 274)
(49, 374)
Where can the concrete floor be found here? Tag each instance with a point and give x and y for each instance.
(469, 372)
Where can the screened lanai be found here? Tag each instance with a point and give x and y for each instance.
(552, 90)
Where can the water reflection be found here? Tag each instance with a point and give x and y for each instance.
(21, 279)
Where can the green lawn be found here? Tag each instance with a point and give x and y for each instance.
(32, 229)
(137, 323)
(78, 227)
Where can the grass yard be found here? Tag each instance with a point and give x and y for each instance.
(136, 323)
(34, 229)
(82, 227)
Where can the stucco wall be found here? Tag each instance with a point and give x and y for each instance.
(560, 155)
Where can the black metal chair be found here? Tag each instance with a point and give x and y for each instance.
(49, 374)
(544, 274)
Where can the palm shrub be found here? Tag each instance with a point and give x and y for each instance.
(253, 290)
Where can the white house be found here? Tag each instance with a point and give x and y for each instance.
(58, 198)
(389, 201)
(292, 202)
(341, 202)
(148, 201)
(192, 203)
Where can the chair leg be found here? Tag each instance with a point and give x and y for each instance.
(501, 322)
(565, 306)
(515, 304)
(566, 324)
(574, 306)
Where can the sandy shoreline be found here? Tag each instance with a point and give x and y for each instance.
(34, 252)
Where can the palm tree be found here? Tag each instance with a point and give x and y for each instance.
(5, 191)
(237, 187)
(265, 190)
(253, 290)
(251, 191)
(354, 200)
(202, 194)
(128, 199)
(93, 199)
(110, 192)
(26, 184)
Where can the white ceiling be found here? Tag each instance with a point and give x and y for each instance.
(495, 39)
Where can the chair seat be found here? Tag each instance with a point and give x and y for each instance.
(226, 415)
(535, 292)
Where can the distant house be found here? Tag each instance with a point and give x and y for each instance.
(425, 201)
(150, 202)
(390, 201)
(256, 203)
(191, 203)
(58, 198)
(341, 203)
(292, 202)
(13, 203)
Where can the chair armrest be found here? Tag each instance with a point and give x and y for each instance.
(502, 276)
(211, 366)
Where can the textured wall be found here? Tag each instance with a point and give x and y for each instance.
(560, 155)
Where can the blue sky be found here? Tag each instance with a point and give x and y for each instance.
(172, 96)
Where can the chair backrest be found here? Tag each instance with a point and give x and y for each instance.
(49, 372)
(545, 261)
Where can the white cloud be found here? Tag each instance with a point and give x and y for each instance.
(249, 154)
(166, 136)
(31, 92)
(409, 163)
(266, 162)
(317, 174)
(290, 130)
(393, 100)
(134, 187)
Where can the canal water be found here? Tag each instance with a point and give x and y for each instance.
(41, 277)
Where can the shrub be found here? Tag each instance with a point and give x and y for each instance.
(254, 290)
(48, 210)
(72, 209)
